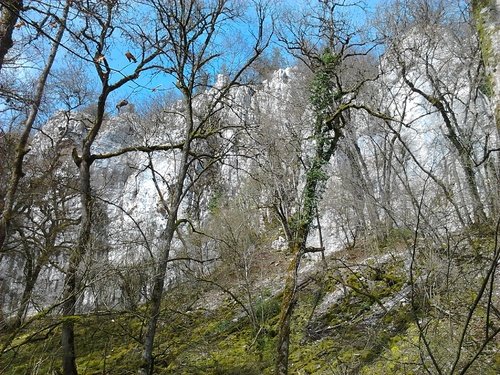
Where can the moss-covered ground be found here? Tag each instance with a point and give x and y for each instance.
(353, 316)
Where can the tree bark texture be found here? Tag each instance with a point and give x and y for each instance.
(487, 19)
(287, 307)
(311, 194)
(8, 19)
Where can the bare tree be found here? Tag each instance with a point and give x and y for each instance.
(324, 40)
(93, 42)
(194, 33)
(437, 102)
(440, 74)
(23, 140)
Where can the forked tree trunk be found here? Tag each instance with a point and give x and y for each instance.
(315, 176)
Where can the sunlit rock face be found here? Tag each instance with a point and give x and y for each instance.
(267, 141)
(129, 216)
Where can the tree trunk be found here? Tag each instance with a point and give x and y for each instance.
(314, 177)
(289, 298)
(22, 146)
(287, 307)
(71, 288)
(84, 242)
(68, 334)
(8, 18)
(487, 18)
(362, 187)
(385, 184)
(154, 305)
(464, 155)
(32, 272)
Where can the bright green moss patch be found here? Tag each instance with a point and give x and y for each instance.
(355, 317)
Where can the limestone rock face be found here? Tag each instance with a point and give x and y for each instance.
(129, 218)
(266, 139)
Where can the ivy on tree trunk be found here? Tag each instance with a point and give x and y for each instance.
(327, 133)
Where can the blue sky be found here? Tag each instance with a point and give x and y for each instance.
(143, 87)
(133, 90)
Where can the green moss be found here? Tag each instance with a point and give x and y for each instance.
(485, 33)
(267, 309)
(215, 202)
(396, 237)
(72, 319)
(355, 335)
